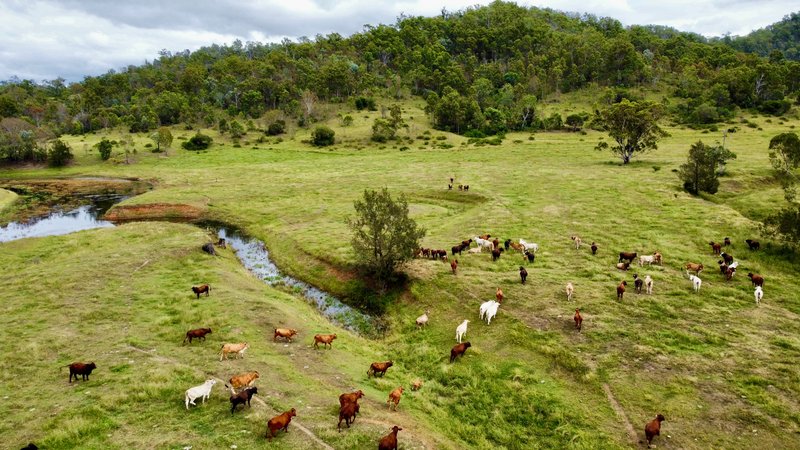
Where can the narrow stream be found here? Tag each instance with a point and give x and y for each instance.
(251, 252)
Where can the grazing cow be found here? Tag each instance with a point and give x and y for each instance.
(459, 350)
(82, 369)
(517, 247)
(570, 289)
(696, 282)
(621, 289)
(475, 250)
(347, 412)
(423, 319)
(496, 243)
(648, 284)
(716, 248)
(594, 248)
(389, 442)
(498, 294)
(238, 348)
(759, 294)
(351, 397)
(221, 243)
(623, 266)
(507, 244)
(529, 245)
(523, 274)
(378, 367)
(653, 429)
(638, 283)
(694, 267)
(198, 333)
(629, 256)
(285, 333)
(279, 422)
(489, 310)
(243, 379)
(454, 265)
(394, 397)
(242, 397)
(578, 319)
(727, 258)
(727, 241)
(647, 259)
(202, 289)
(461, 330)
(722, 267)
(757, 280)
(209, 248)
(658, 258)
(578, 241)
(204, 391)
(729, 273)
(326, 339)
(416, 384)
(530, 255)
(496, 254)
(754, 245)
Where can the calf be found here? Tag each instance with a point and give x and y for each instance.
(530, 255)
(578, 241)
(523, 274)
(459, 350)
(238, 348)
(285, 333)
(594, 248)
(202, 289)
(623, 265)
(629, 256)
(507, 244)
(621, 289)
(347, 412)
(638, 283)
(242, 397)
(696, 282)
(727, 258)
(423, 319)
(496, 243)
(694, 267)
(716, 248)
(326, 339)
(517, 247)
(221, 243)
(394, 397)
(578, 319)
(351, 397)
(389, 442)
(378, 367)
(757, 280)
(82, 369)
(461, 330)
(243, 380)
(279, 422)
(570, 289)
(727, 241)
(454, 266)
(754, 245)
(416, 385)
(204, 391)
(198, 333)
(653, 429)
(496, 254)
(648, 284)
(498, 294)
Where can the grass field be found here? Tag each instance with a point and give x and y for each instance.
(721, 370)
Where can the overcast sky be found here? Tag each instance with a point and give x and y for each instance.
(45, 39)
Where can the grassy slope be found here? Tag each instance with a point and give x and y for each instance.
(715, 365)
(6, 198)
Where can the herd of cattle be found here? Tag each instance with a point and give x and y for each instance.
(241, 385)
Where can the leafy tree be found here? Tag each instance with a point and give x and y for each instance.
(277, 127)
(365, 103)
(633, 126)
(322, 136)
(347, 120)
(701, 170)
(784, 156)
(382, 130)
(60, 154)
(575, 121)
(237, 130)
(384, 236)
(198, 142)
(105, 147)
(162, 138)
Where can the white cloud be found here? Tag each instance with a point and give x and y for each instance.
(43, 39)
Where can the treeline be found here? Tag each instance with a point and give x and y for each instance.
(481, 70)
(780, 38)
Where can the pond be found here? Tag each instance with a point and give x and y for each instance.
(251, 252)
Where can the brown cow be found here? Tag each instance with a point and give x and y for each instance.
(716, 248)
(350, 398)
(757, 280)
(326, 339)
(459, 350)
(454, 265)
(389, 442)
(202, 289)
(394, 397)
(621, 290)
(243, 379)
(198, 333)
(379, 367)
(347, 412)
(82, 369)
(653, 429)
(499, 295)
(694, 267)
(242, 397)
(279, 422)
(416, 385)
(578, 319)
(285, 333)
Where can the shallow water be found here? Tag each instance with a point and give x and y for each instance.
(61, 222)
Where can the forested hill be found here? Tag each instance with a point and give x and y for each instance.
(783, 37)
(482, 68)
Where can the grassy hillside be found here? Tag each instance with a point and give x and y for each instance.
(719, 368)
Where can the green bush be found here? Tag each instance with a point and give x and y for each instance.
(322, 136)
(365, 103)
(277, 127)
(104, 147)
(775, 107)
(199, 141)
(59, 154)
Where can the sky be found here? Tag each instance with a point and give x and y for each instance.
(46, 39)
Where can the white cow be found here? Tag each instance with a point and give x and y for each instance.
(489, 310)
(570, 290)
(648, 284)
(204, 391)
(759, 294)
(461, 330)
(529, 245)
(696, 282)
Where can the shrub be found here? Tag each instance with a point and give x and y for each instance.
(322, 136)
(104, 147)
(347, 120)
(198, 142)
(59, 154)
(382, 130)
(365, 103)
(276, 128)
(775, 107)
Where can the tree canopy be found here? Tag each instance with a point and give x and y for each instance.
(633, 126)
